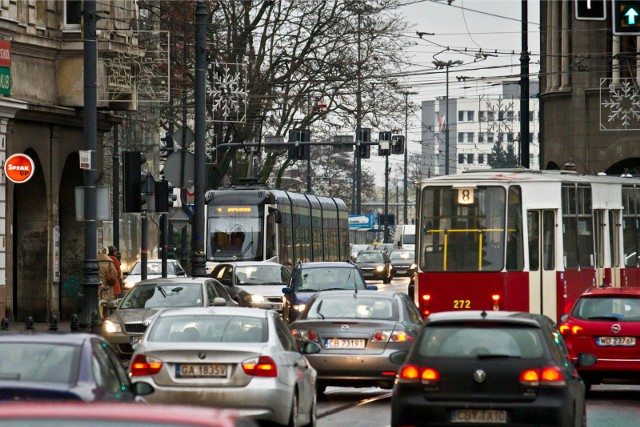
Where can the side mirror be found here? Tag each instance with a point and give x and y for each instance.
(286, 291)
(372, 288)
(586, 360)
(219, 301)
(399, 357)
(564, 317)
(113, 304)
(310, 348)
(142, 389)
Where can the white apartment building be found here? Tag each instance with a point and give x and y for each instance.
(475, 124)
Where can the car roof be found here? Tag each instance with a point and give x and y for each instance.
(75, 338)
(370, 251)
(169, 280)
(319, 264)
(221, 310)
(361, 292)
(154, 261)
(513, 317)
(610, 291)
(247, 263)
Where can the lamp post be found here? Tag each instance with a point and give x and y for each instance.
(446, 65)
(406, 150)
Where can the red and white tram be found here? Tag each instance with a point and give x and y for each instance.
(524, 240)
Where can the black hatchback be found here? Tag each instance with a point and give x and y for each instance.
(478, 367)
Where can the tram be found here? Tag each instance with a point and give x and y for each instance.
(259, 224)
(524, 240)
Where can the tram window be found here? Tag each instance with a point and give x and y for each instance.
(515, 253)
(533, 222)
(630, 231)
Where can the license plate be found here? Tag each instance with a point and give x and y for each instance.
(204, 370)
(486, 416)
(276, 306)
(402, 271)
(616, 341)
(344, 343)
(135, 339)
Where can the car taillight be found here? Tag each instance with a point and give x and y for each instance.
(143, 366)
(304, 334)
(496, 302)
(390, 336)
(414, 374)
(264, 366)
(548, 376)
(567, 328)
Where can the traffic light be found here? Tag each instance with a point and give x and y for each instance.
(626, 17)
(590, 10)
(384, 143)
(397, 144)
(363, 138)
(299, 140)
(164, 196)
(132, 181)
(167, 149)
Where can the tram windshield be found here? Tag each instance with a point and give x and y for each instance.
(463, 229)
(234, 233)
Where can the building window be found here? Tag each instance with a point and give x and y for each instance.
(530, 115)
(481, 137)
(510, 137)
(482, 116)
(461, 116)
(470, 137)
(500, 116)
(461, 159)
(480, 159)
(461, 137)
(469, 159)
(531, 138)
(490, 137)
(72, 13)
(491, 116)
(470, 116)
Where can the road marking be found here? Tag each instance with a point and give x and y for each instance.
(353, 405)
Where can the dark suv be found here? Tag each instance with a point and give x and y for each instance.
(488, 367)
(311, 277)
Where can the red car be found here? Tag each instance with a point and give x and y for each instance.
(72, 414)
(605, 322)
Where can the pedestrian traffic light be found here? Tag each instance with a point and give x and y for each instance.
(300, 148)
(590, 10)
(626, 17)
(397, 144)
(132, 181)
(363, 138)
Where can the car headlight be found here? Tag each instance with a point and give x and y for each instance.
(299, 307)
(110, 327)
(256, 298)
(129, 285)
(413, 267)
(380, 268)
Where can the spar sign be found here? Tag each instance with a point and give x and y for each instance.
(18, 168)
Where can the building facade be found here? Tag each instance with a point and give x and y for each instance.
(475, 124)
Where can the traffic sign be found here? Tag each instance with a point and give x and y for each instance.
(590, 10)
(626, 17)
(19, 168)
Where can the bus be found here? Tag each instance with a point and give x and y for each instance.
(259, 224)
(524, 240)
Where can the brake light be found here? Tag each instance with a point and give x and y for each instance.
(390, 336)
(414, 374)
(496, 302)
(409, 372)
(548, 376)
(264, 366)
(143, 366)
(426, 309)
(304, 334)
(566, 328)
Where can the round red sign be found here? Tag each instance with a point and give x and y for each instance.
(18, 168)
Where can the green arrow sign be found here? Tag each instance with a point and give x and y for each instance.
(631, 16)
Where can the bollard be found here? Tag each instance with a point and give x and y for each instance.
(53, 323)
(75, 323)
(4, 324)
(29, 323)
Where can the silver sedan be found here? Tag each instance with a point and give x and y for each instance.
(237, 358)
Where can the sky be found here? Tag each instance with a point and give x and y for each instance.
(460, 30)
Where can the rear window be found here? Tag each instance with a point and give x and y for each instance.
(325, 278)
(342, 307)
(369, 257)
(471, 342)
(38, 362)
(621, 309)
(208, 328)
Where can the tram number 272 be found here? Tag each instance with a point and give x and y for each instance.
(461, 304)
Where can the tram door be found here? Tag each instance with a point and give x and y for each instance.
(607, 231)
(541, 226)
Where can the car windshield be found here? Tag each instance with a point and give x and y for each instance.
(619, 308)
(38, 362)
(401, 256)
(261, 274)
(207, 328)
(370, 257)
(154, 295)
(339, 307)
(154, 268)
(480, 342)
(326, 278)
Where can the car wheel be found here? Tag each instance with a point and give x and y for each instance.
(293, 416)
(313, 413)
(387, 280)
(320, 388)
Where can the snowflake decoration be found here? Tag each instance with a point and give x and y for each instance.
(500, 118)
(228, 92)
(623, 105)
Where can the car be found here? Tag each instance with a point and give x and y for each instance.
(496, 367)
(375, 265)
(63, 366)
(605, 322)
(255, 284)
(384, 247)
(356, 248)
(403, 263)
(238, 358)
(357, 332)
(154, 270)
(76, 414)
(128, 320)
(311, 277)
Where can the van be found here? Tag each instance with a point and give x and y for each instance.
(405, 237)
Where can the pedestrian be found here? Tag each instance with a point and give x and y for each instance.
(105, 292)
(113, 254)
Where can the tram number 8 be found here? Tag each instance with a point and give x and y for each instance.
(461, 304)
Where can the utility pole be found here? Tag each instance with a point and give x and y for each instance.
(446, 65)
(524, 89)
(406, 151)
(359, 126)
(89, 319)
(115, 170)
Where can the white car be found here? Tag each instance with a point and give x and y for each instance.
(154, 270)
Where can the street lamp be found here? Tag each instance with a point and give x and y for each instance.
(446, 65)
